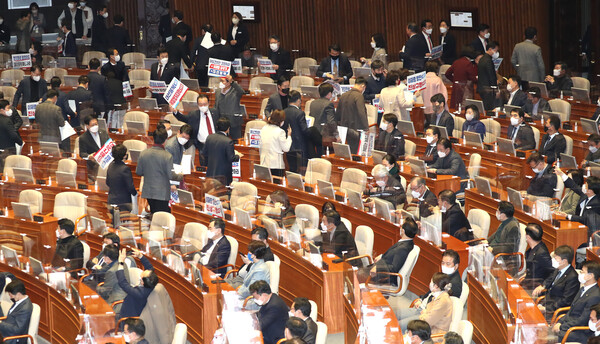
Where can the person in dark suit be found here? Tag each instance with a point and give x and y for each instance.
(297, 157)
(337, 239)
(83, 100)
(507, 237)
(137, 297)
(281, 99)
(4, 32)
(390, 139)
(164, 24)
(449, 162)
(588, 201)
(163, 70)
(516, 96)
(561, 286)
(120, 180)
(90, 142)
(282, 62)
(116, 66)
(15, 117)
(579, 313)
(100, 30)
(375, 81)
(432, 135)
(177, 51)
(480, 44)
(8, 134)
(301, 308)
(593, 146)
(538, 262)
(544, 180)
(116, 101)
(50, 118)
(323, 111)
(553, 143)
(218, 153)
(228, 104)
(386, 187)
(98, 86)
(535, 104)
(134, 331)
(68, 254)
(448, 42)
(422, 198)
(215, 253)
(118, 36)
(184, 28)
(273, 312)
(450, 264)
(519, 131)
(199, 54)
(487, 83)
(106, 274)
(559, 83)
(415, 49)
(352, 113)
(419, 332)
(336, 66)
(295, 328)
(19, 314)
(218, 50)
(202, 121)
(237, 34)
(68, 46)
(440, 117)
(108, 239)
(454, 221)
(31, 89)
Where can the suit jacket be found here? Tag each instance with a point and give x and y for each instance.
(193, 119)
(281, 58)
(392, 192)
(569, 202)
(539, 265)
(395, 143)
(110, 290)
(551, 148)
(120, 183)
(69, 47)
(311, 331)
(527, 60)
(172, 146)
(525, 139)
(449, 48)
(49, 118)
(258, 271)
(70, 248)
(83, 100)
(446, 120)
(438, 313)
(478, 46)
(170, 71)
(178, 51)
(273, 143)
(199, 56)
(99, 34)
(455, 223)
(17, 322)
(560, 293)
(137, 297)
(24, 95)
(8, 134)
(344, 68)
(374, 87)
(99, 88)
(219, 255)
(119, 38)
(242, 36)
(543, 185)
(342, 241)
(486, 74)
(228, 105)
(221, 52)
(4, 33)
(351, 110)
(323, 111)
(579, 313)
(187, 30)
(590, 157)
(592, 206)
(274, 103)
(155, 164)
(519, 99)
(393, 259)
(218, 153)
(431, 154)
(272, 317)
(429, 200)
(414, 52)
(452, 164)
(115, 94)
(87, 144)
(506, 238)
(119, 69)
(543, 105)
(296, 119)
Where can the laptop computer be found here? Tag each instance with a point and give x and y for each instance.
(189, 106)
(25, 120)
(175, 261)
(580, 94)
(589, 126)
(567, 161)
(148, 104)
(417, 167)
(127, 237)
(22, 211)
(50, 148)
(271, 227)
(477, 103)
(310, 91)
(67, 62)
(443, 131)
(66, 179)
(506, 146)
(378, 156)
(10, 256)
(383, 208)
(594, 168)
(541, 86)
(192, 84)
(325, 189)
(98, 225)
(186, 198)
(355, 199)
(136, 127)
(342, 150)
(514, 197)
(242, 218)
(154, 249)
(268, 89)
(149, 61)
(362, 71)
(36, 266)
(406, 214)
(473, 139)
(483, 186)
(407, 128)
(313, 70)
(263, 173)
(50, 38)
(71, 80)
(294, 180)
(23, 175)
(134, 155)
(509, 108)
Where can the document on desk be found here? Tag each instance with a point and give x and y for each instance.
(66, 131)
(343, 131)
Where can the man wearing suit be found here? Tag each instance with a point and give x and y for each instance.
(454, 221)
(588, 201)
(90, 142)
(68, 254)
(588, 296)
(386, 187)
(422, 198)
(115, 65)
(301, 308)
(450, 263)
(337, 239)
(163, 70)
(538, 262)
(118, 36)
(134, 330)
(449, 162)
(8, 134)
(227, 104)
(507, 237)
(99, 30)
(432, 135)
(68, 46)
(593, 147)
(110, 289)
(49, 118)
(440, 117)
(217, 250)
(544, 180)
(520, 132)
(390, 139)
(336, 66)
(19, 314)
(480, 43)
(176, 50)
(561, 286)
(199, 56)
(487, 83)
(176, 144)
(527, 58)
(352, 113)
(419, 332)
(323, 111)
(119, 180)
(553, 143)
(415, 49)
(282, 62)
(559, 83)
(202, 122)
(184, 28)
(375, 81)
(218, 153)
(98, 86)
(155, 164)
(393, 259)
(297, 157)
(273, 313)
(137, 297)
(535, 104)
(516, 97)
(82, 99)
(32, 89)
(281, 99)
(218, 50)
(108, 239)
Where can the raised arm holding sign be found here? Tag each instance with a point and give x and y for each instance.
(175, 92)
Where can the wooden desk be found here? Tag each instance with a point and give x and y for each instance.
(42, 233)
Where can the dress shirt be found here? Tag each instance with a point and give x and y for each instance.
(96, 138)
(336, 64)
(428, 40)
(534, 110)
(550, 139)
(483, 42)
(512, 94)
(515, 132)
(437, 119)
(208, 252)
(203, 129)
(561, 273)
(16, 304)
(234, 31)
(586, 288)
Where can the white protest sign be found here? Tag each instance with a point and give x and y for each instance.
(370, 143)
(497, 63)
(127, 89)
(236, 170)
(175, 91)
(21, 61)
(266, 66)
(31, 109)
(158, 86)
(343, 132)
(254, 139)
(104, 155)
(213, 206)
(66, 131)
(416, 82)
(345, 88)
(436, 52)
(364, 141)
(237, 65)
(377, 104)
(218, 68)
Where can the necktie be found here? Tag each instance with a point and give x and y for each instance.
(583, 206)
(208, 126)
(547, 141)
(557, 277)
(335, 68)
(430, 299)
(429, 43)
(159, 70)
(12, 307)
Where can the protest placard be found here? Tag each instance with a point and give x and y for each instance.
(237, 65)
(416, 82)
(436, 52)
(21, 61)
(175, 92)
(104, 155)
(127, 89)
(213, 206)
(158, 86)
(266, 66)
(218, 68)
(31, 109)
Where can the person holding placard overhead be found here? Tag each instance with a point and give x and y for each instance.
(227, 104)
(32, 89)
(203, 121)
(8, 134)
(274, 142)
(163, 70)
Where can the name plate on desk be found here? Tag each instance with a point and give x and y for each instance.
(82, 186)
(38, 218)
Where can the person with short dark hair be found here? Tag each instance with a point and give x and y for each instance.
(203, 121)
(35, 51)
(390, 139)
(527, 57)
(538, 263)
(279, 100)
(449, 162)
(99, 87)
(552, 143)
(82, 99)
(516, 97)
(519, 131)
(507, 237)
(274, 142)
(4, 32)
(594, 324)
(419, 332)
(116, 66)
(67, 47)
(273, 312)
(184, 28)
(295, 119)
(454, 221)
(9, 136)
(375, 81)
(109, 290)
(215, 254)
(480, 44)
(544, 181)
(473, 123)
(432, 136)
(435, 85)
(178, 49)
(295, 328)
(440, 116)
(218, 153)
(393, 98)
(31, 89)
(448, 43)
(282, 62)
(535, 104)
(570, 200)
(559, 82)
(90, 142)
(163, 70)
(352, 113)
(336, 66)
(452, 338)
(134, 331)
(593, 155)
(487, 82)
(49, 118)
(323, 111)
(108, 239)
(301, 308)
(237, 34)
(228, 104)
(75, 18)
(589, 204)
(176, 145)
(137, 296)
(17, 318)
(118, 35)
(68, 254)
(199, 53)
(337, 239)
(120, 180)
(379, 53)
(416, 49)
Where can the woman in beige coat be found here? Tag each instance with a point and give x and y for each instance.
(273, 143)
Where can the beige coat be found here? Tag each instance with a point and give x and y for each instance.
(438, 313)
(273, 144)
(393, 101)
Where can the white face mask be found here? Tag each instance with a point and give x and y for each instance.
(31, 51)
(82, 4)
(536, 171)
(34, 12)
(203, 109)
(93, 129)
(173, 20)
(429, 139)
(388, 167)
(582, 278)
(373, 45)
(164, 61)
(556, 72)
(8, 112)
(323, 227)
(443, 30)
(498, 215)
(555, 263)
(514, 121)
(211, 234)
(274, 46)
(469, 117)
(415, 194)
(117, 58)
(441, 154)
(592, 326)
(71, 5)
(429, 31)
(291, 314)
(259, 302)
(57, 234)
(443, 209)
(169, 133)
(182, 141)
(235, 21)
(126, 338)
(509, 87)
(486, 36)
(431, 286)
(447, 270)
(221, 85)
(383, 125)
(36, 78)
(495, 55)
(105, 15)
(380, 183)
(593, 149)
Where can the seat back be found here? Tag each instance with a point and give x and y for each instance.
(307, 108)
(301, 65)
(560, 188)
(364, 239)
(191, 96)
(213, 82)
(4, 57)
(371, 114)
(274, 275)
(300, 80)
(48, 60)
(14, 75)
(407, 268)
(442, 73)
(347, 223)
(465, 330)
(569, 149)
(234, 251)
(243, 195)
(317, 169)
(409, 147)
(159, 316)
(135, 274)
(522, 239)
(196, 234)
(480, 222)
(70, 205)
(9, 92)
(308, 212)
(134, 58)
(464, 294)
(561, 106)
(86, 252)
(457, 313)
(580, 82)
(67, 166)
(139, 77)
(34, 322)
(263, 106)
(395, 65)
(59, 72)
(34, 198)
(313, 310)
(18, 161)
(492, 130)
(163, 221)
(321, 337)
(135, 144)
(180, 335)
(355, 64)
(354, 179)
(137, 116)
(458, 124)
(254, 124)
(536, 137)
(257, 80)
(88, 55)
(173, 120)
(474, 165)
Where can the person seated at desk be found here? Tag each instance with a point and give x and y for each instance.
(163, 71)
(258, 271)
(432, 135)
(137, 297)
(454, 221)
(535, 104)
(337, 238)
(507, 237)
(336, 66)
(588, 202)
(17, 318)
(134, 331)
(450, 263)
(520, 132)
(258, 234)
(449, 162)
(578, 314)
(277, 207)
(544, 181)
(390, 164)
(301, 308)
(594, 323)
(562, 284)
(110, 289)
(516, 97)
(281, 99)
(594, 150)
(452, 338)
(295, 328)
(419, 332)
(437, 308)
(388, 188)
(216, 252)
(538, 262)
(571, 199)
(108, 239)
(553, 143)
(273, 312)
(440, 117)
(423, 200)
(390, 139)
(558, 83)
(120, 180)
(68, 255)
(473, 124)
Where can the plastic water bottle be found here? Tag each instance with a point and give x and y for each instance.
(327, 150)
(30, 149)
(575, 126)
(561, 94)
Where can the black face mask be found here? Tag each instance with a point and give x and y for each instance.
(285, 90)
(13, 300)
(334, 57)
(378, 75)
(546, 128)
